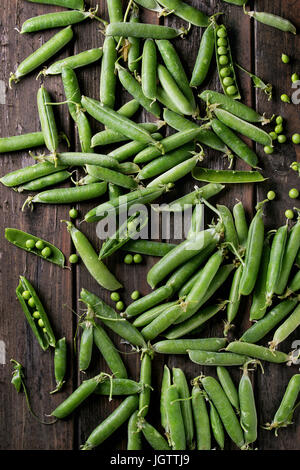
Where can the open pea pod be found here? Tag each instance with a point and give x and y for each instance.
(35, 314)
(21, 240)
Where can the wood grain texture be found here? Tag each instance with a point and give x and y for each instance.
(254, 46)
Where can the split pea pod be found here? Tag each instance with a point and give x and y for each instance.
(240, 223)
(149, 66)
(60, 363)
(257, 352)
(96, 268)
(275, 262)
(226, 176)
(47, 120)
(204, 57)
(180, 346)
(175, 419)
(142, 30)
(171, 88)
(109, 352)
(145, 380)
(174, 174)
(147, 317)
(152, 436)
(134, 440)
(165, 384)
(290, 253)
(119, 416)
(284, 415)
(134, 44)
(272, 20)
(259, 306)
(225, 63)
(228, 386)
(108, 78)
(21, 142)
(224, 408)
(144, 303)
(181, 384)
(41, 55)
(248, 411)
(234, 299)
(201, 419)
(216, 426)
(75, 61)
(73, 4)
(55, 20)
(287, 328)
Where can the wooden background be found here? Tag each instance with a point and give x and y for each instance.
(257, 48)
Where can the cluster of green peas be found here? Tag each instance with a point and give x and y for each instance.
(39, 245)
(36, 315)
(278, 135)
(294, 78)
(225, 72)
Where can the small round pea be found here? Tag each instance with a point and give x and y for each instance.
(137, 258)
(228, 81)
(44, 330)
(279, 120)
(26, 294)
(289, 214)
(73, 213)
(271, 195)
(46, 252)
(222, 50)
(273, 135)
(36, 314)
(40, 245)
(170, 185)
(30, 243)
(73, 258)
(222, 42)
(285, 98)
(41, 323)
(115, 296)
(231, 90)
(223, 60)
(278, 129)
(120, 305)
(225, 72)
(296, 138)
(282, 138)
(295, 78)
(135, 295)
(295, 166)
(31, 302)
(128, 259)
(293, 193)
(268, 149)
(285, 58)
(221, 33)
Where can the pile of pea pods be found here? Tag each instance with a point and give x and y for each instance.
(142, 167)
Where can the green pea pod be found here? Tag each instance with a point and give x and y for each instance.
(45, 181)
(147, 317)
(230, 234)
(30, 173)
(258, 306)
(82, 158)
(72, 4)
(148, 247)
(112, 319)
(209, 358)
(180, 381)
(134, 44)
(21, 142)
(40, 326)
(108, 78)
(294, 285)
(112, 176)
(75, 61)
(175, 420)
(257, 352)
(228, 387)
(60, 363)
(162, 322)
(130, 149)
(119, 387)
(19, 239)
(145, 379)
(272, 20)
(287, 328)
(240, 223)
(186, 12)
(226, 176)
(284, 415)
(191, 199)
(134, 440)
(197, 222)
(204, 57)
(55, 20)
(86, 344)
(173, 91)
(180, 346)
(109, 352)
(247, 408)
(150, 5)
(201, 419)
(152, 436)
(114, 191)
(109, 136)
(165, 384)
(216, 426)
(142, 30)
(47, 120)
(275, 262)
(149, 66)
(154, 298)
(234, 299)
(290, 253)
(90, 259)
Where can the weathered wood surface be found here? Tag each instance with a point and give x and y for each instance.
(257, 48)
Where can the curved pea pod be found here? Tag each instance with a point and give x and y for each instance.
(149, 66)
(284, 415)
(181, 384)
(230, 234)
(186, 12)
(109, 352)
(287, 328)
(147, 317)
(119, 387)
(224, 408)
(240, 223)
(209, 358)
(290, 253)
(272, 20)
(275, 262)
(19, 238)
(105, 429)
(145, 380)
(226, 176)
(43, 333)
(216, 426)
(201, 419)
(151, 300)
(142, 30)
(204, 57)
(237, 145)
(258, 306)
(248, 412)
(191, 199)
(123, 203)
(254, 250)
(234, 299)
(108, 79)
(173, 91)
(44, 181)
(60, 363)
(232, 106)
(181, 346)
(257, 352)
(150, 248)
(75, 61)
(174, 66)
(194, 322)
(96, 268)
(175, 420)
(112, 319)
(134, 440)
(41, 55)
(73, 4)
(134, 44)
(245, 128)
(152, 436)
(263, 326)
(21, 142)
(228, 386)
(47, 120)
(162, 322)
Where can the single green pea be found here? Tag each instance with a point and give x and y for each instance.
(221, 33)
(289, 214)
(295, 166)
(293, 193)
(296, 138)
(223, 60)
(26, 294)
(285, 98)
(273, 135)
(170, 185)
(135, 295)
(282, 138)
(271, 195)
(73, 213)
(295, 77)
(222, 42)
(228, 81)
(115, 296)
(40, 245)
(44, 330)
(268, 149)
(137, 258)
(128, 259)
(222, 50)
(30, 244)
(46, 252)
(285, 58)
(31, 302)
(36, 314)
(278, 129)
(73, 258)
(41, 323)
(225, 72)
(120, 305)
(231, 90)
(279, 120)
